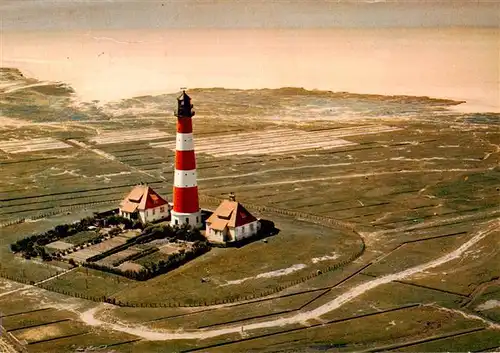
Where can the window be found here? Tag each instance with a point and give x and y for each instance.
(154, 210)
(187, 220)
(176, 222)
(162, 209)
(197, 219)
(251, 227)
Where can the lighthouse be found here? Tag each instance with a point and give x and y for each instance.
(186, 205)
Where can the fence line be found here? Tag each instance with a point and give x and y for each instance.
(55, 212)
(307, 217)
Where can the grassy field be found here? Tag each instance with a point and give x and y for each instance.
(481, 264)
(414, 193)
(89, 283)
(192, 318)
(488, 302)
(486, 340)
(251, 270)
(81, 238)
(357, 334)
(412, 254)
(152, 258)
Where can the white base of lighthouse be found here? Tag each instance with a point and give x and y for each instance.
(192, 219)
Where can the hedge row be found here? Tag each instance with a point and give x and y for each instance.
(135, 256)
(109, 252)
(23, 279)
(34, 245)
(234, 299)
(266, 293)
(154, 269)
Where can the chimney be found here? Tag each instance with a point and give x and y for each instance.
(232, 197)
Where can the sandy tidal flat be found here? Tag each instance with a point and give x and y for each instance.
(460, 64)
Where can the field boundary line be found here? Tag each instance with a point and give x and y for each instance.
(435, 237)
(325, 290)
(38, 325)
(77, 191)
(58, 338)
(490, 349)
(249, 302)
(420, 286)
(58, 211)
(425, 340)
(25, 312)
(301, 328)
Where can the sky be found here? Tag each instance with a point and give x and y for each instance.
(120, 14)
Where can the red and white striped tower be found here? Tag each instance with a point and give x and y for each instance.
(186, 205)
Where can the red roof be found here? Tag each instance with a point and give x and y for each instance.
(231, 214)
(142, 197)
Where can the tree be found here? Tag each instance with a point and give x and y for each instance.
(62, 229)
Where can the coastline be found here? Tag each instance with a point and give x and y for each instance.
(450, 63)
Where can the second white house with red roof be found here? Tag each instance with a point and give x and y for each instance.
(231, 222)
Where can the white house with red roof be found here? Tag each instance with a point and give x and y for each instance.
(231, 222)
(145, 204)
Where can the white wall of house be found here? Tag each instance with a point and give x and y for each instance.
(216, 236)
(124, 214)
(247, 230)
(235, 234)
(154, 214)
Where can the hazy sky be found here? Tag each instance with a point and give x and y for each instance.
(113, 14)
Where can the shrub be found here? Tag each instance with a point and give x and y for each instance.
(115, 231)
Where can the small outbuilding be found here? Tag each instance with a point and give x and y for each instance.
(231, 222)
(144, 204)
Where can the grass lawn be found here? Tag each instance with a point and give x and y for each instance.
(240, 313)
(472, 342)
(49, 331)
(7, 285)
(113, 341)
(151, 258)
(299, 250)
(389, 296)
(480, 264)
(31, 270)
(89, 283)
(361, 333)
(192, 318)
(488, 303)
(34, 318)
(81, 237)
(413, 254)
